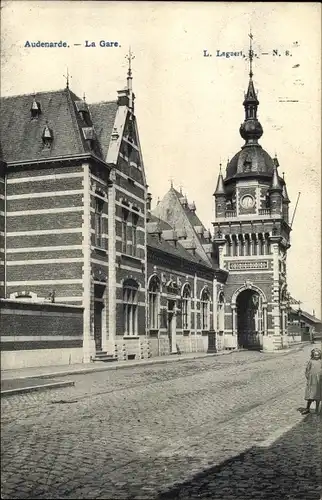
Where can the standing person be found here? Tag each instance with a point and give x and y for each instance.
(312, 331)
(313, 374)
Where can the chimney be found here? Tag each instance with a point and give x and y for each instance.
(123, 98)
(148, 201)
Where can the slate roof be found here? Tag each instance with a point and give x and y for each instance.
(103, 117)
(261, 163)
(177, 250)
(161, 223)
(307, 315)
(170, 209)
(192, 216)
(21, 137)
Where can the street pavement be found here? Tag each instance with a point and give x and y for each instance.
(222, 428)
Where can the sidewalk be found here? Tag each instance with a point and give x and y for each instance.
(30, 379)
(79, 368)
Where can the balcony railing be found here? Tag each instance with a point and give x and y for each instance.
(261, 211)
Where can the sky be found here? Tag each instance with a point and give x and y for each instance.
(188, 106)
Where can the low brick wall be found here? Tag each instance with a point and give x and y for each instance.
(40, 334)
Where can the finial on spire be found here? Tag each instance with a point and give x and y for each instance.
(67, 76)
(251, 54)
(283, 173)
(130, 56)
(220, 188)
(171, 182)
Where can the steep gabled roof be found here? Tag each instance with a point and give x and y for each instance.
(103, 118)
(161, 223)
(177, 250)
(178, 215)
(307, 316)
(21, 137)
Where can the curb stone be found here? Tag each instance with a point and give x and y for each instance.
(21, 390)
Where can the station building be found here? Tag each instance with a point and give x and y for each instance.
(89, 271)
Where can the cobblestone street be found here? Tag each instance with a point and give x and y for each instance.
(224, 427)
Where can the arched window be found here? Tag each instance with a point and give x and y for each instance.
(186, 307)
(154, 302)
(205, 309)
(130, 307)
(99, 203)
(221, 313)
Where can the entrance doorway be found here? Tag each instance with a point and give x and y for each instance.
(249, 320)
(98, 308)
(172, 326)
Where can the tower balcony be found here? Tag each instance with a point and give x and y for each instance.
(261, 213)
(230, 213)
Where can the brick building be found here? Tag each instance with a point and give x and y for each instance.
(78, 236)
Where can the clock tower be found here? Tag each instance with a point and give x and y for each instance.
(252, 232)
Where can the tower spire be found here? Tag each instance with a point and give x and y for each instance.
(284, 192)
(130, 56)
(220, 189)
(250, 54)
(251, 130)
(67, 78)
(276, 185)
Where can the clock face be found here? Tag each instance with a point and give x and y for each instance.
(247, 201)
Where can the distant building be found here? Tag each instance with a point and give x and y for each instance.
(303, 325)
(89, 271)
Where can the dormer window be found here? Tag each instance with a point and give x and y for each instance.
(47, 137)
(247, 166)
(83, 110)
(35, 109)
(89, 135)
(114, 135)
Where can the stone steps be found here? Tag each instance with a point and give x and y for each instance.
(103, 356)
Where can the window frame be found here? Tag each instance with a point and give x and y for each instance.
(154, 303)
(130, 307)
(98, 222)
(186, 307)
(205, 302)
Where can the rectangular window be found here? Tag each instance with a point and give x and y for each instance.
(124, 230)
(124, 236)
(135, 218)
(98, 222)
(153, 310)
(205, 315)
(185, 313)
(129, 240)
(130, 310)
